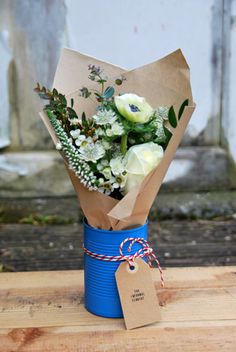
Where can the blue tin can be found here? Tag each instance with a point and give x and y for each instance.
(101, 294)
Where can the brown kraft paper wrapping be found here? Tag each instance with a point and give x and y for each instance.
(164, 82)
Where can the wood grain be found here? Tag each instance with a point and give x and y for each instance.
(43, 311)
(59, 247)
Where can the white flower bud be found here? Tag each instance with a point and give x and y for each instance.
(58, 146)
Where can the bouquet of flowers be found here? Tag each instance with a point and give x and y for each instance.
(117, 143)
(113, 150)
(117, 132)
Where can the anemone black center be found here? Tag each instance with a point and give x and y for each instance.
(133, 108)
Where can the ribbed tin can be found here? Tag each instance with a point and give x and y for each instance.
(101, 294)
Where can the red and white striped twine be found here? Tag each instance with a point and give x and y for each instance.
(144, 251)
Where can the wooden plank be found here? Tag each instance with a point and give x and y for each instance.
(178, 243)
(190, 295)
(164, 338)
(43, 311)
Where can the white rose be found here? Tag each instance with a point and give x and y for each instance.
(141, 159)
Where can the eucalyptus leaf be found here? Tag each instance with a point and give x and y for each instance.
(109, 92)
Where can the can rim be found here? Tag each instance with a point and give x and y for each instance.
(85, 223)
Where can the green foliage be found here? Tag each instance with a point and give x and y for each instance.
(172, 117)
(65, 120)
(173, 120)
(57, 104)
(109, 92)
(168, 135)
(38, 219)
(85, 93)
(43, 92)
(6, 268)
(181, 110)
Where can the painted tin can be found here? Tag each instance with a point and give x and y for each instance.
(101, 294)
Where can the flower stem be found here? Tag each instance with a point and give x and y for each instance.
(123, 145)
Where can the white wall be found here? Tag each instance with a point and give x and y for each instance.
(132, 33)
(4, 105)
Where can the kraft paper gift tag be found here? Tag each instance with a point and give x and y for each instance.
(137, 293)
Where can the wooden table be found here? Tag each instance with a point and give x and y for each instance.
(44, 312)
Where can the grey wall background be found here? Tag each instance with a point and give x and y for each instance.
(127, 33)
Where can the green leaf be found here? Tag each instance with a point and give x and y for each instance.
(141, 128)
(168, 134)
(62, 99)
(85, 93)
(71, 112)
(101, 81)
(181, 110)
(72, 102)
(84, 120)
(55, 92)
(109, 92)
(172, 117)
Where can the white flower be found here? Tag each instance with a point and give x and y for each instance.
(80, 139)
(58, 146)
(117, 166)
(106, 172)
(140, 160)
(115, 151)
(162, 112)
(104, 117)
(101, 181)
(109, 132)
(75, 133)
(99, 167)
(75, 121)
(106, 145)
(104, 162)
(134, 108)
(120, 181)
(160, 133)
(106, 188)
(116, 129)
(92, 151)
(99, 132)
